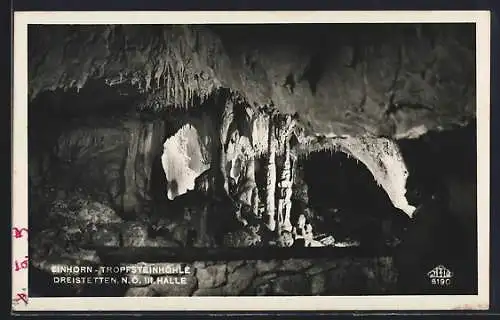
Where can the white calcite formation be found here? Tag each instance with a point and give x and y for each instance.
(183, 161)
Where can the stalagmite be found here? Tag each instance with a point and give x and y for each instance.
(271, 179)
(285, 184)
(247, 183)
(203, 237)
(286, 190)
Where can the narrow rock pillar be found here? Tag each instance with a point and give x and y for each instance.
(285, 194)
(271, 179)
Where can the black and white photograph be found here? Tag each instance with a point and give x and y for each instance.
(252, 159)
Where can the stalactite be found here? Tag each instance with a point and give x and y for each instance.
(271, 179)
(159, 72)
(167, 79)
(176, 94)
(184, 94)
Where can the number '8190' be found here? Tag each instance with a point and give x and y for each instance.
(441, 281)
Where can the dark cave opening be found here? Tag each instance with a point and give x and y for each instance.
(348, 202)
(445, 160)
(445, 163)
(158, 182)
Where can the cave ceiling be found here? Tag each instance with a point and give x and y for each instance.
(378, 80)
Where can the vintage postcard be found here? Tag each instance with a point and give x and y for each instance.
(242, 161)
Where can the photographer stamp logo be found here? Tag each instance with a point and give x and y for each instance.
(440, 276)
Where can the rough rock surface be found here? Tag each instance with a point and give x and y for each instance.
(111, 159)
(134, 234)
(239, 280)
(70, 224)
(424, 73)
(211, 276)
(313, 277)
(166, 289)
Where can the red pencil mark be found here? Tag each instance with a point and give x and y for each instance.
(21, 296)
(21, 265)
(18, 232)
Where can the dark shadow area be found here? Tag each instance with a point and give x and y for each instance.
(349, 203)
(158, 181)
(442, 184)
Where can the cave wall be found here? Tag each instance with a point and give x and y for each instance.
(280, 277)
(290, 277)
(110, 160)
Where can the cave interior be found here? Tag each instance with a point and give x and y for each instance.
(336, 192)
(114, 163)
(328, 190)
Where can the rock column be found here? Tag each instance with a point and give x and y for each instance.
(286, 178)
(271, 179)
(285, 194)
